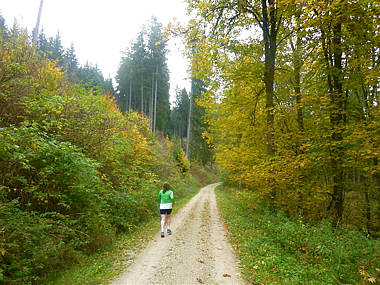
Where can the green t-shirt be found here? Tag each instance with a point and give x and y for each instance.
(167, 197)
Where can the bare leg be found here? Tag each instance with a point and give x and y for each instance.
(168, 220)
(162, 222)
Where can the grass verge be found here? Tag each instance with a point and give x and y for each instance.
(274, 249)
(105, 265)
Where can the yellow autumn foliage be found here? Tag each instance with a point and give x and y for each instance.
(299, 177)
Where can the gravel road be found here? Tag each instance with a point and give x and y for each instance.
(196, 253)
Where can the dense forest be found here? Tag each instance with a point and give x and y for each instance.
(77, 169)
(143, 77)
(292, 102)
(284, 102)
(143, 86)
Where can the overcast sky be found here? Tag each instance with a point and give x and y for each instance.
(100, 30)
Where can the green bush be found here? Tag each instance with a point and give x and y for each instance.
(275, 249)
(129, 208)
(47, 175)
(182, 161)
(31, 243)
(51, 203)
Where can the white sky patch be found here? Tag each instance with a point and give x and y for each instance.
(100, 30)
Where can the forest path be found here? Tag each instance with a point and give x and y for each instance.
(196, 253)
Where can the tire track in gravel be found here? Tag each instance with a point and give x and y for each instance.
(196, 253)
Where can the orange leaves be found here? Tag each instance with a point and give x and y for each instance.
(110, 102)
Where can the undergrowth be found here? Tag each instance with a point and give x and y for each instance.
(274, 249)
(102, 267)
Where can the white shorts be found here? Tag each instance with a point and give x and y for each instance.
(166, 206)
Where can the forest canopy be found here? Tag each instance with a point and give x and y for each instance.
(293, 102)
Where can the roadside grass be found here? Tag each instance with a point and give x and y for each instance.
(105, 265)
(274, 249)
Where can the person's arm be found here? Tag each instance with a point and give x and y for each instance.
(159, 197)
(172, 197)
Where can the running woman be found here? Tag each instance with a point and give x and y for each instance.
(166, 198)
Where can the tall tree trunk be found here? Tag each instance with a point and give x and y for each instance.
(333, 58)
(366, 116)
(297, 64)
(377, 191)
(155, 103)
(125, 110)
(151, 111)
(269, 29)
(375, 101)
(337, 120)
(130, 95)
(367, 186)
(188, 136)
(36, 28)
(142, 95)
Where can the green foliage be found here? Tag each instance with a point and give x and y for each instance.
(74, 170)
(52, 49)
(130, 208)
(204, 174)
(52, 203)
(143, 76)
(179, 114)
(179, 117)
(52, 176)
(181, 159)
(163, 164)
(92, 77)
(32, 243)
(275, 249)
(293, 111)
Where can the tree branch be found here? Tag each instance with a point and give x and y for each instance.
(253, 12)
(288, 35)
(279, 23)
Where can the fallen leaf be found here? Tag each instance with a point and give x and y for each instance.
(303, 249)
(200, 280)
(226, 275)
(372, 280)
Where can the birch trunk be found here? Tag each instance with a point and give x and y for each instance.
(37, 27)
(188, 136)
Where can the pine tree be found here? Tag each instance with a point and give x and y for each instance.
(143, 77)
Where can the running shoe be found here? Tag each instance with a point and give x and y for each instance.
(162, 234)
(169, 231)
